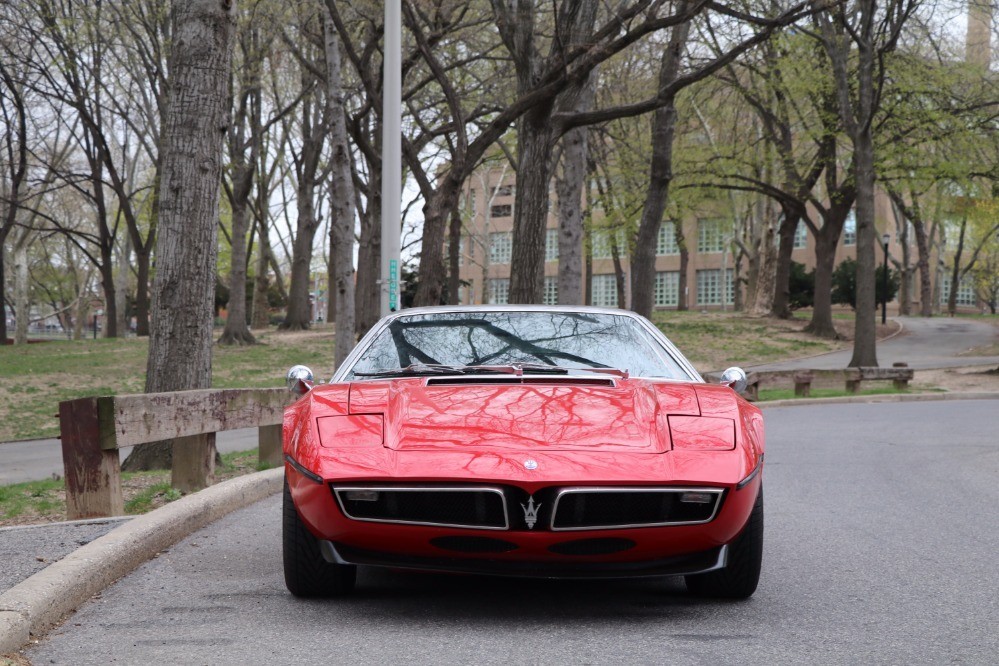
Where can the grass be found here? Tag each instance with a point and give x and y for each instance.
(45, 501)
(717, 340)
(35, 378)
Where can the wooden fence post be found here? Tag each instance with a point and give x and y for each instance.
(193, 462)
(269, 444)
(92, 473)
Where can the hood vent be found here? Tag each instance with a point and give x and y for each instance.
(479, 380)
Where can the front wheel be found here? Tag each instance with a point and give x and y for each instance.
(306, 572)
(739, 578)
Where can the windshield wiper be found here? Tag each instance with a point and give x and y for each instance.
(518, 369)
(416, 370)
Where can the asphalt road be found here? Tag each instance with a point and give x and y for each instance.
(41, 458)
(937, 342)
(881, 543)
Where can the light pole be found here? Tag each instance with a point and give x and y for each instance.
(884, 281)
(391, 157)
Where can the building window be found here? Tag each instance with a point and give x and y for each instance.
(603, 291)
(551, 244)
(500, 247)
(710, 288)
(503, 191)
(850, 229)
(600, 243)
(709, 236)
(499, 291)
(666, 243)
(501, 210)
(800, 236)
(965, 292)
(667, 288)
(550, 294)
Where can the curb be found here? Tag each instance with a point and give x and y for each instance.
(888, 397)
(35, 605)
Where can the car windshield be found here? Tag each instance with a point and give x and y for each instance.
(432, 343)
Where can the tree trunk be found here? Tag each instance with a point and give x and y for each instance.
(22, 302)
(180, 344)
(3, 293)
(569, 186)
(865, 325)
(782, 273)
(236, 331)
(435, 211)
(955, 272)
(760, 300)
(643, 254)
(821, 323)
(341, 200)
(535, 143)
(124, 252)
(369, 259)
(453, 256)
(681, 287)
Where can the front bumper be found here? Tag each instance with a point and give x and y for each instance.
(677, 565)
(538, 552)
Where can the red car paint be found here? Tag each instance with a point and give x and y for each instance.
(629, 433)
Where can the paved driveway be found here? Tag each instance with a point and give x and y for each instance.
(936, 342)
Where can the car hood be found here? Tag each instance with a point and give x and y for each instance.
(563, 414)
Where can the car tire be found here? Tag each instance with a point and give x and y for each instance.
(741, 575)
(306, 572)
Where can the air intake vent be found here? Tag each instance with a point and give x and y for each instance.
(455, 506)
(611, 508)
(505, 380)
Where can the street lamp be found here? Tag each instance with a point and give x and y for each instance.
(884, 281)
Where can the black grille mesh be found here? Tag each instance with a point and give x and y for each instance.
(467, 508)
(578, 510)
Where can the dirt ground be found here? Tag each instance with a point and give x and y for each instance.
(978, 378)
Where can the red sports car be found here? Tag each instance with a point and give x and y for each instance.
(522, 441)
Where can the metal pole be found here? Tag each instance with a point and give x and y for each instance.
(884, 287)
(391, 157)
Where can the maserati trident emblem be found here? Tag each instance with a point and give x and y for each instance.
(531, 512)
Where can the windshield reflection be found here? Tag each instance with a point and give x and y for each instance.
(562, 339)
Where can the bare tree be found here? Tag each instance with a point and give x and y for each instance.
(15, 161)
(180, 345)
(857, 36)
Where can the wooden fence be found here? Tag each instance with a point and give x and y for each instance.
(94, 429)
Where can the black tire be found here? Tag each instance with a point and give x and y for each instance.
(739, 578)
(306, 572)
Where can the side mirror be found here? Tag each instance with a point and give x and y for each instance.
(735, 378)
(299, 380)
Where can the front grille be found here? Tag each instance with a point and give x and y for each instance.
(610, 508)
(478, 508)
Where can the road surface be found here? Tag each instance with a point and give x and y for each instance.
(881, 542)
(41, 458)
(936, 342)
